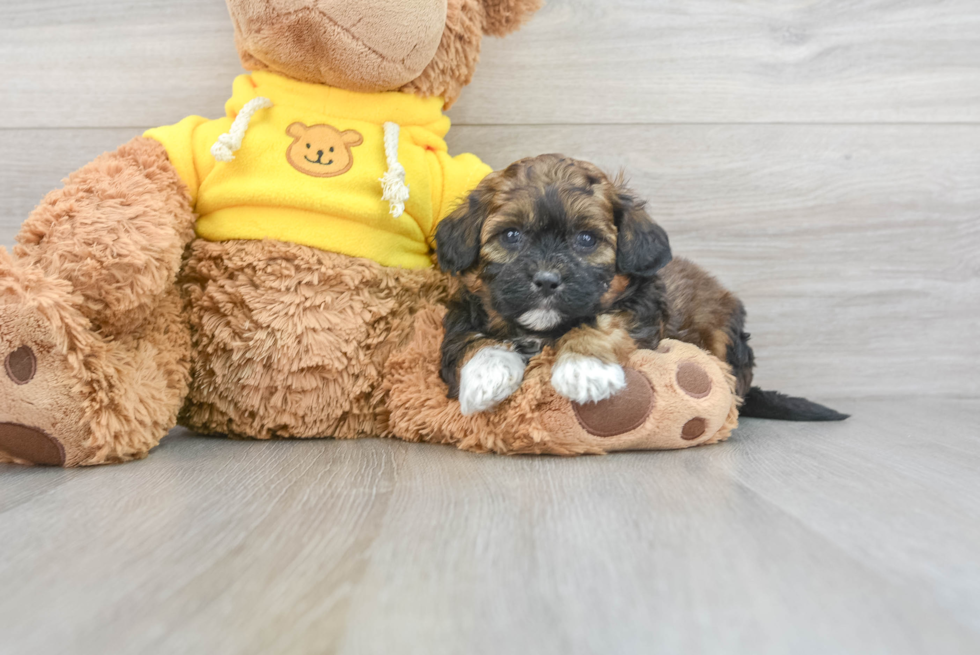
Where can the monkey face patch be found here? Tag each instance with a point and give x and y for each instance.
(321, 150)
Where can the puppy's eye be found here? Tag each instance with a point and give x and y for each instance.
(586, 240)
(511, 238)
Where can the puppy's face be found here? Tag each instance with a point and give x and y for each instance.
(548, 254)
(549, 241)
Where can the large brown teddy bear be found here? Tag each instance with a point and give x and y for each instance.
(198, 273)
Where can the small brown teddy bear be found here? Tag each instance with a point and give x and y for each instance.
(239, 276)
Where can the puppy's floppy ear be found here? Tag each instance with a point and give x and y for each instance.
(642, 247)
(458, 235)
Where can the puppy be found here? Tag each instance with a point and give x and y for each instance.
(551, 252)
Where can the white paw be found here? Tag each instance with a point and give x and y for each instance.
(490, 376)
(586, 379)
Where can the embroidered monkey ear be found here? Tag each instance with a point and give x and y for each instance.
(505, 16)
(642, 246)
(296, 130)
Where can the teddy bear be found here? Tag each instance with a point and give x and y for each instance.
(270, 273)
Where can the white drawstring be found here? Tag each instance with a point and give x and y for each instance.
(226, 145)
(393, 187)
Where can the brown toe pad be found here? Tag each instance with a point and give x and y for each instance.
(693, 429)
(693, 379)
(30, 444)
(21, 365)
(625, 411)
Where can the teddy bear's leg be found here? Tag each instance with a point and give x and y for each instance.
(675, 397)
(291, 341)
(93, 335)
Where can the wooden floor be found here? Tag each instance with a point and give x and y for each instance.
(860, 537)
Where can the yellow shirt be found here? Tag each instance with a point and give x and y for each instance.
(309, 166)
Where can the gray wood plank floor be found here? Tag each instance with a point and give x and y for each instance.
(858, 537)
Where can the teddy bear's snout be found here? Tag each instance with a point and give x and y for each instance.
(364, 45)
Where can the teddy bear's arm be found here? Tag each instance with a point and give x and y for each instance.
(116, 231)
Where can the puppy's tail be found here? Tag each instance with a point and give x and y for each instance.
(774, 405)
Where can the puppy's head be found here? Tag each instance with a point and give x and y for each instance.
(542, 241)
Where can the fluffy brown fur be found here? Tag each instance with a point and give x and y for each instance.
(505, 16)
(705, 313)
(291, 341)
(103, 399)
(115, 232)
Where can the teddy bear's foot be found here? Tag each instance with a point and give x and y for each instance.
(677, 396)
(68, 397)
(40, 421)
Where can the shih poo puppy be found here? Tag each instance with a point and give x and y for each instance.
(552, 252)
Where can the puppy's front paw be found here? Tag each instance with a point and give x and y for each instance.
(491, 375)
(585, 379)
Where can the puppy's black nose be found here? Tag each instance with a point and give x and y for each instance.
(546, 282)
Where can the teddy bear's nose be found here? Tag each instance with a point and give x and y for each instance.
(319, 153)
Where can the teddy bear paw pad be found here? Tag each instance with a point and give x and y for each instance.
(20, 441)
(40, 414)
(621, 413)
(693, 380)
(31, 445)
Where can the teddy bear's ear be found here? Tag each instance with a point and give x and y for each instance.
(296, 130)
(505, 16)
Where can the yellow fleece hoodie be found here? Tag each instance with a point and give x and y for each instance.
(309, 166)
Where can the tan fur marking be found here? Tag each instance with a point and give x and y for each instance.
(609, 341)
(616, 289)
(719, 344)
